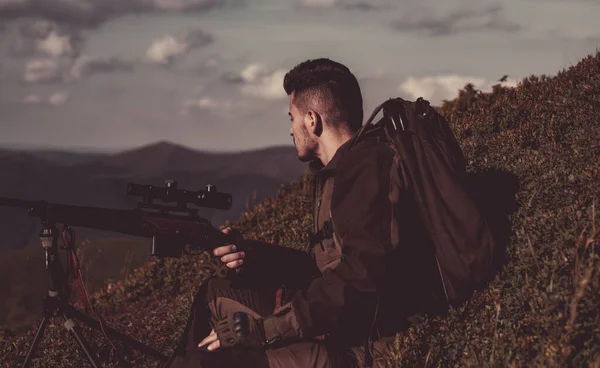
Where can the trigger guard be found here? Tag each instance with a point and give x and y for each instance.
(225, 272)
(222, 271)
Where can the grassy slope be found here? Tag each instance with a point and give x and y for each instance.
(541, 309)
(23, 275)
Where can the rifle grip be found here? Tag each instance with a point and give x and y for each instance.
(225, 272)
(234, 237)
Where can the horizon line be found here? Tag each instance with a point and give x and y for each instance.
(27, 147)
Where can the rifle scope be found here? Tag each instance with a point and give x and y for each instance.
(169, 193)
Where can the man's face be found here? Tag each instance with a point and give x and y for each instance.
(306, 144)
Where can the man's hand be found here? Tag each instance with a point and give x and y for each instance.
(211, 340)
(239, 330)
(228, 254)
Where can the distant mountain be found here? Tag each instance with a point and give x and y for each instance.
(65, 157)
(97, 179)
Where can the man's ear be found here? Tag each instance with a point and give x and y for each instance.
(314, 122)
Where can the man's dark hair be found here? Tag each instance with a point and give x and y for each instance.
(330, 83)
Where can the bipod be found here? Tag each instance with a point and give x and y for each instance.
(56, 304)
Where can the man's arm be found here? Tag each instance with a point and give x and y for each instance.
(366, 192)
(268, 264)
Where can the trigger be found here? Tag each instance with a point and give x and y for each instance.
(222, 271)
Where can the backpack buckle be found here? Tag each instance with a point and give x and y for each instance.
(325, 232)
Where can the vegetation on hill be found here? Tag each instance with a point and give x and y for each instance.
(542, 308)
(23, 276)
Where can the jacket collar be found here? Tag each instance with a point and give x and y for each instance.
(316, 166)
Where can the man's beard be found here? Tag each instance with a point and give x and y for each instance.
(305, 150)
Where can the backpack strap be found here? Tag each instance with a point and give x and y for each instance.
(368, 123)
(395, 111)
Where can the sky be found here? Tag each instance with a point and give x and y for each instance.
(109, 75)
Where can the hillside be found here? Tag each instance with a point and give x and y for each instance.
(542, 309)
(23, 275)
(96, 179)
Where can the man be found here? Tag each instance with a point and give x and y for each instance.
(375, 270)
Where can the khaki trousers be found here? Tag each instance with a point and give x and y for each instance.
(219, 298)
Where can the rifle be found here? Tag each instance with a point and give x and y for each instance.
(176, 230)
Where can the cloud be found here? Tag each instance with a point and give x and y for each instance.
(343, 4)
(32, 99)
(55, 99)
(361, 5)
(56, 45)
(212, 62)
(92, 13)
(28, 37)
(319, 3)
(592, 40)
(47, 70)
(54, 53)
(225, 105)
(42, 70)
(257, 81)
(445, 87)
(570, 36)
(208, 104)
(85, 66)
(463, 19)
(564, 1)
(220, 108)
(183, 5)
(165, 50)
(59, 98)
(75, 12)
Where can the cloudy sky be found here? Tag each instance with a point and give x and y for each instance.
(116, 74)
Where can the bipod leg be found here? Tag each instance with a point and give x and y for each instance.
(112, 333)
(54, 307)
(38, 336)
(70, 312)
(72, 327)
(50, 306)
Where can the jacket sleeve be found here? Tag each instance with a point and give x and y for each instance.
(363, 205)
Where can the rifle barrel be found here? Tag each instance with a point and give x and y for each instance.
(172, 231)
(121, 221)
(13, 202)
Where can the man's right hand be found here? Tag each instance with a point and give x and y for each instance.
(228, 253)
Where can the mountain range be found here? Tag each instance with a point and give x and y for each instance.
(100, 179)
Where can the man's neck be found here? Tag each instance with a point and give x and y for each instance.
(331, 144)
